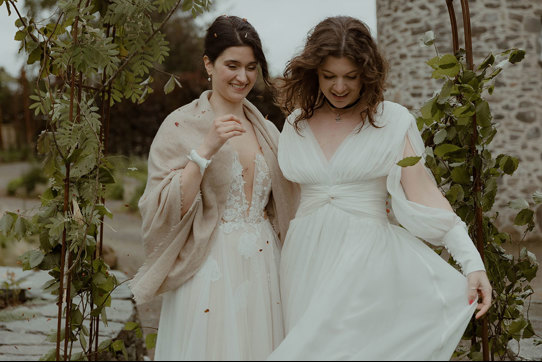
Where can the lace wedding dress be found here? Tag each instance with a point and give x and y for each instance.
(353, 285)
(230, 310)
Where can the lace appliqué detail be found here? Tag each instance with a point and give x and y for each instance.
(236, 213)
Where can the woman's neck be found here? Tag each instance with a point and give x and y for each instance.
(221, 106)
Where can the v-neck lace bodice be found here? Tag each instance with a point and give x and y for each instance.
(238, 209)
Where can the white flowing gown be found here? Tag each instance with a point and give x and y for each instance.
(230, 310)
(353, 285)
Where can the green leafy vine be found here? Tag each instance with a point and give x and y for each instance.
(458, 128)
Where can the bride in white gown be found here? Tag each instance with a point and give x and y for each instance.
(353, 285)
(214, 212)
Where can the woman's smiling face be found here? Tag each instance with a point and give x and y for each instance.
(340, 80)
(234, 73)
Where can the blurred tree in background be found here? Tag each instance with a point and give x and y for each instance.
(135, 124)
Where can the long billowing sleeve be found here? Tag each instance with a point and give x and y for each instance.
(436, 225)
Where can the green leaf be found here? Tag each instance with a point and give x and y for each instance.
(20, 227)
(537, 197)
(6, 223)
(106, 176)
(490, 89)
(445, 92)
(528, 332)
(461, 175)
(519, 204)
(448, 66)
(20, 35)
(433, 62)
(150, 340)
(170, 85)
(31, 259)
(187, 5)
(516, 327)
(103, 210)
(490, 59)
(177, 82)
(516, 56)
(455, 194)
(445, 148)
(83, 341)
(440, 136)
(464, 111)
(130, 326)
(118, 345)
(34, 56)
(409, 161)
(77, 317)
(427, 109)
(19, 23)
(509, 164)
(104, 345)
(463, 121)
(524, 217)
(483, 114)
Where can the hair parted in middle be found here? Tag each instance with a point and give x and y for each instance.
(339, 36)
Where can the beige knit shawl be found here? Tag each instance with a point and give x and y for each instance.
(175, 246)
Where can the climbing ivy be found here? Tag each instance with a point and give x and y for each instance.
(458, 128)
(91, 55)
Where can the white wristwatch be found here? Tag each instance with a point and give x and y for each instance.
(203, 163)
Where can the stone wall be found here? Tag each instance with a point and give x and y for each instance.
(516, 103)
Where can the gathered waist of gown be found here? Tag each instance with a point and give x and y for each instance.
(364, 199)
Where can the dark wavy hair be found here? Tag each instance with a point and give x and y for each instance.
(340, 36)
(231, 31)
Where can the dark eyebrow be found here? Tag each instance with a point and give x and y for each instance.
(238, 62)
(350, 72)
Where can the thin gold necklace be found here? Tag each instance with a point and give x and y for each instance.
(346, 108)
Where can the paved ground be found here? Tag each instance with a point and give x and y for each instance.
(24, 329)
(122, 233)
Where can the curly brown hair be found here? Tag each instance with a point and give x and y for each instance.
(339, 36)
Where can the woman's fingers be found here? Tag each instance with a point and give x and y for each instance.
(223, 128)
(473, 293)
(479, 288)
(486, 302)
(229, 131)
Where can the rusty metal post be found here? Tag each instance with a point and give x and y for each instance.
(453, 22)
(478, 226)
(62, 267)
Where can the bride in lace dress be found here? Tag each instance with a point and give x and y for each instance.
(354, 286)
(217, 196)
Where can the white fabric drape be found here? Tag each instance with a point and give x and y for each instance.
(353, 285)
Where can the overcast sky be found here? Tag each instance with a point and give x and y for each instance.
(282, 25)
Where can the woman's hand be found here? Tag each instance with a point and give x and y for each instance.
(479, 287)
(222, 129)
